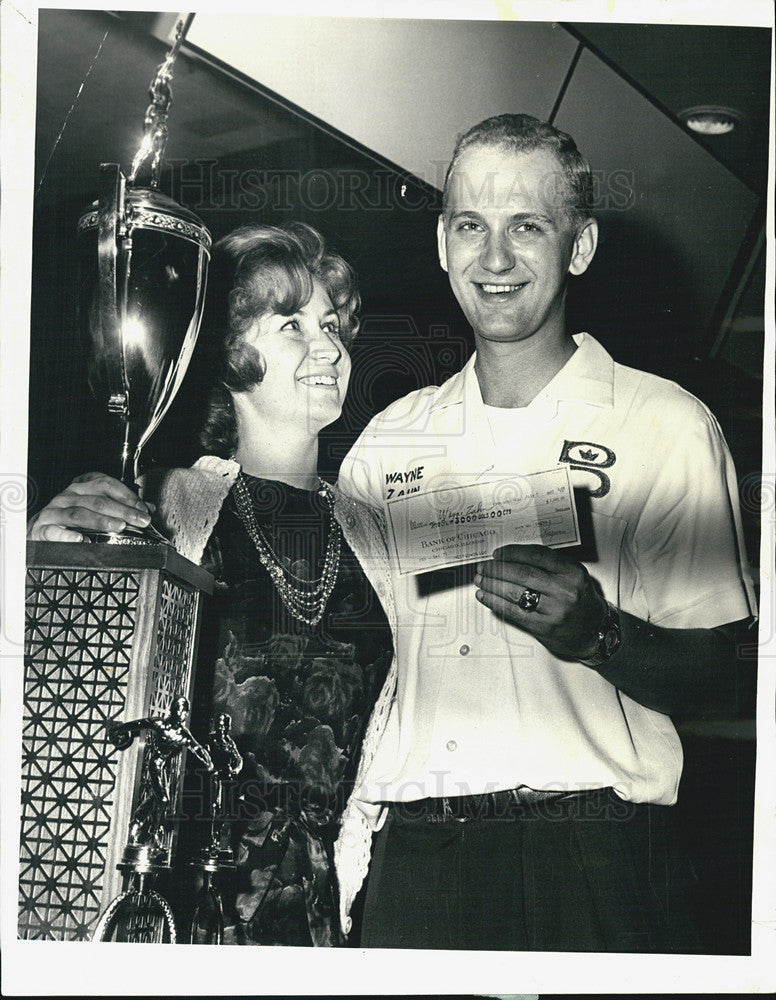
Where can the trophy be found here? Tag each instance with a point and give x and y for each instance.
(140, 914)
(207, 922)
(143, 272)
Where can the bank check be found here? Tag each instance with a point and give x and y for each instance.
(463, 523)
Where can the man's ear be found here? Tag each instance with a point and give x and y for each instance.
(442, 242)
(585, 244)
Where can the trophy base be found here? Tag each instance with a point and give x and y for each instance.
(129, 536)
(143, 858)
(213, 860)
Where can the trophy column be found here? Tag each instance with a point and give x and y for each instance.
(111, 634)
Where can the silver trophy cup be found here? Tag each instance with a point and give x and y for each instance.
(143, 270)
(143, 261)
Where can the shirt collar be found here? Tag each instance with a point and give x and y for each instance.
(588, 376)
(452, 391)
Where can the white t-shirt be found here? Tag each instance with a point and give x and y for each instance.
(480, 704)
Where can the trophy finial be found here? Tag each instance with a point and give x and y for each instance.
(155, 124)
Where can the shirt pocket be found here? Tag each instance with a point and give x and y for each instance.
(601, 551)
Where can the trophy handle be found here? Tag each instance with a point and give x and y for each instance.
(177, 371)
(110, 211)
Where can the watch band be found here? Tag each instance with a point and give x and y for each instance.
(609, 638)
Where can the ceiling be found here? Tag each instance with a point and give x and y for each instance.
(676, 66)
(684, 66)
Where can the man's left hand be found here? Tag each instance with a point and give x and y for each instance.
(570, 609)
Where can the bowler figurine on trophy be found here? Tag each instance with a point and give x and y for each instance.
(227, 764)
(139, 913)
(207, 923)
(167, 738)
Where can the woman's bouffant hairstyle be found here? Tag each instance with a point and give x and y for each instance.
(257, 270)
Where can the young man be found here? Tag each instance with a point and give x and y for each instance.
(521, 776)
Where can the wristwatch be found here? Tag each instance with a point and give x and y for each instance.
(609, 638)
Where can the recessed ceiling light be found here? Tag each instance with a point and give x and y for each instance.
(710, 119)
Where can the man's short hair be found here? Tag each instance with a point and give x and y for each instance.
(520, 133)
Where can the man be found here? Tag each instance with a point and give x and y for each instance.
(520, 778)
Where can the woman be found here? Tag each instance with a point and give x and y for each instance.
(301, 645)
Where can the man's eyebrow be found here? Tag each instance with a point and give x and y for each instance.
(472, 213)
(468, 212)
(547, 220)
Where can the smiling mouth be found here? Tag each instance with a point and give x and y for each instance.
(318, 380)
(503, 290)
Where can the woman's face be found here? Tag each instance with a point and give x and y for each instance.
(307, 367)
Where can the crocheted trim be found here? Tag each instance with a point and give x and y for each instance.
(364, 529)
(189, 501)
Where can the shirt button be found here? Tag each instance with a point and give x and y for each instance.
(451, 745)
(464, 650)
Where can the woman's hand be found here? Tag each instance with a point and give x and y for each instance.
(92, 502)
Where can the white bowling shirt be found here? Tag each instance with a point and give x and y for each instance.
(481, 705)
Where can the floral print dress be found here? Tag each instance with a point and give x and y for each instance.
(299, 698)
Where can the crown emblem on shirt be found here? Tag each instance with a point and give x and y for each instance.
(588, 456)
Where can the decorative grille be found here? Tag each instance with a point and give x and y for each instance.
(80, 626)
(172, 663)
(171, 670)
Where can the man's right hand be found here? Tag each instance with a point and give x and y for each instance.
(92, 502)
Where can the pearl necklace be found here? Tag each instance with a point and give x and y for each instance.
(305, 599)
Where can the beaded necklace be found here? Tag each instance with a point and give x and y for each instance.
(304, 599)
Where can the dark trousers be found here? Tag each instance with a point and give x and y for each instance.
(583, 873)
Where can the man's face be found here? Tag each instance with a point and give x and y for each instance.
(508, 245)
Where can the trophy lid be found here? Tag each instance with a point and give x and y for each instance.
(149, 208)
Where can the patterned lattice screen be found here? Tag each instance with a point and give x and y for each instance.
(172, 663)
(171, 671)
(80, 625)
